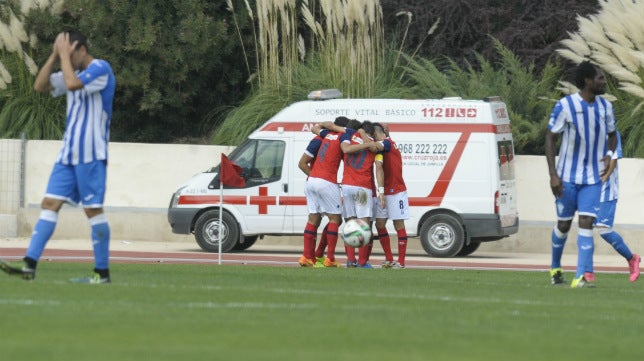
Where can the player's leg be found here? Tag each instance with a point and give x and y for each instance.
(60, 188)
(332, 240)
(566, 205)
(313, 222)
(363, 203)
(319, 251)
(331, 204)
(385, 240)
(398, 210)
(401, 233)
(349, 212)
(604, 225)
(91, 179)
(588, 204)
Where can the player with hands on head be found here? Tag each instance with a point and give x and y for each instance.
(79, 173)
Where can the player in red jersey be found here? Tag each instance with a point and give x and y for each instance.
(323, 194)
(357, 183)
(396, 205)
(306, 163)
(316, 205)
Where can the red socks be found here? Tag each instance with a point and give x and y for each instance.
(402, 245)
(385, 242)
(310, 235)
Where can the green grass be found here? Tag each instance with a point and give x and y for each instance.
(197, 312)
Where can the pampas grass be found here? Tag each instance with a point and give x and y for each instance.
(614, 40)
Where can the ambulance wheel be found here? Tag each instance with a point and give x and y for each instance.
(468, 249)
(208, 233)
(442, 236)
(246, 243)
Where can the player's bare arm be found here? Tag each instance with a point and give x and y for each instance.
(42, 84)
(380, 183)
(612, 147)
(305, 164)
(353, 148)
(555, 182)
(66, 51)
(332, 127)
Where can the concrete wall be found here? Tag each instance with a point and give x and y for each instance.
(142, 177)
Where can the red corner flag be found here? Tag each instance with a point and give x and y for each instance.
(230, 173)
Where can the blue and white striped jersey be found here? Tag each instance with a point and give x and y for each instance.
(89, 112)
(610, 189)
(585, 128)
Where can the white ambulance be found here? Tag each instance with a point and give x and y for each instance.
(457, 164)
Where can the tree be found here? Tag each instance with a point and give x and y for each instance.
(176, 62)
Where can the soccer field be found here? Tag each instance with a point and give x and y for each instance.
(198, 312)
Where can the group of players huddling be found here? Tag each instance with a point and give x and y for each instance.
(365, 193)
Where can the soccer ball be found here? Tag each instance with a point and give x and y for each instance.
(356, 233)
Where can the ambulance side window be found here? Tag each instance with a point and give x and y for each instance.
(261, 160)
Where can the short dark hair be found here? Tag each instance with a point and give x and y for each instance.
(368, 127)
(354, 124)
(341, 121)
(75, 35)
(585, 70)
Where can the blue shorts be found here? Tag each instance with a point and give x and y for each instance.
(81, 183)
(581, 198)
(606, 214)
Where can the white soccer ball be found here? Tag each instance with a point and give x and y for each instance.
(356, 233)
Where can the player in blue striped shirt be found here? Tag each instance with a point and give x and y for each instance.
(584, 120)
(79, 173)
(606, 217)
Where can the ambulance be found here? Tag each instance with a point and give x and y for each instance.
(457, 164)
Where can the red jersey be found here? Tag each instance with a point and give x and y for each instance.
(358, 166)
(392, 167)
(329, 155)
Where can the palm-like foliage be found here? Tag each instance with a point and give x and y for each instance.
(23, 110)
(525, 92)
(39, 116)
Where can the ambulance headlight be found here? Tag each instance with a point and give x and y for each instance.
(175, 198)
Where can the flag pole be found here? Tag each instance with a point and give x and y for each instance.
(221, 206)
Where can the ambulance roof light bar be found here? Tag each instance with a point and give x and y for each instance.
(492, 99)
(324, 94)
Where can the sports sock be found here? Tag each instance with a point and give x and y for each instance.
(363, 254)
(616, 240)
(42, 232)
(100, 241)
(351, 253)
(385, 242)
(585, 250)
(319, 252)
(402, 245)
(558, 243)
(332, 240)
(310, 234)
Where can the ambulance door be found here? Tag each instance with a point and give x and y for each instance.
(297, 213)
(507, 196)
(264, 165)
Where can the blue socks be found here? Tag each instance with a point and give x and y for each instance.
(42, 232)
(100, 241)
(615, 240)
(558, 243)
(585, 250)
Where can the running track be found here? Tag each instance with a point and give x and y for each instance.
(289, 259)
